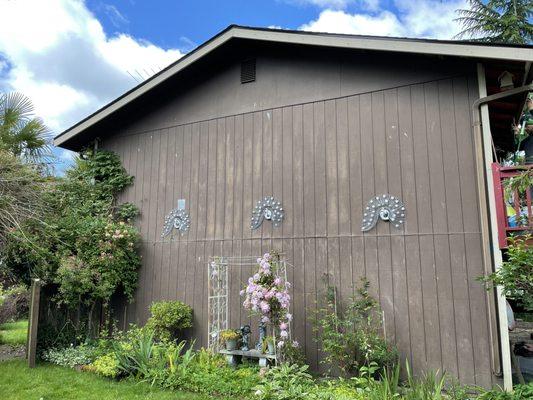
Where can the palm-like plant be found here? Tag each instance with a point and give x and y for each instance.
(21, 133)
(497, 21)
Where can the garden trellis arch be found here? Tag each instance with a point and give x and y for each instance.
(218, 292)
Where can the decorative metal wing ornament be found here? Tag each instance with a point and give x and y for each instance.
(269, 209)
(386, 207)
(179, 219)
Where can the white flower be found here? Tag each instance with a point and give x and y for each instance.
(258, 393)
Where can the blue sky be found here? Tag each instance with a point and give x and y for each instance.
(72, 56)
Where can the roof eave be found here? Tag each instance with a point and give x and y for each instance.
(300, 38)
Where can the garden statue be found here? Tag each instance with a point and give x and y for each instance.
(245, 334)
(262, 335)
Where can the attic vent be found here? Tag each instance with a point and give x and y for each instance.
(248, 70)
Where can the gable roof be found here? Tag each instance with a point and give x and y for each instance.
(467, 49)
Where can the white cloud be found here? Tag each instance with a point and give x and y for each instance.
(382, 24)
(415, 18)
(58, 54)
(338, 4)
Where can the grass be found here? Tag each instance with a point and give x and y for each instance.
(14, 333)
(50, 382)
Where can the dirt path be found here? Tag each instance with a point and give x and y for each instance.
(8, 352)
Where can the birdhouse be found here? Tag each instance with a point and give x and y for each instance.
(506, 80)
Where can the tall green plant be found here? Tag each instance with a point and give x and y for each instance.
(516, 274)
(499, 21)
(349, 334)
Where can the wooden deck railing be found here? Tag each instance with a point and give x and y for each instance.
(513, 208)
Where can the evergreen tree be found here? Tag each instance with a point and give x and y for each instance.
(497, 21)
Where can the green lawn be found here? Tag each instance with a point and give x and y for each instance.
(14, 333)
(50, 382)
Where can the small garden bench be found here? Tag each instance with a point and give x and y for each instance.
(234, 357)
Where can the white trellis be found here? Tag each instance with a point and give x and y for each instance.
(218, 295)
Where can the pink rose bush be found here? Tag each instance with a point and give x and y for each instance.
(268, 295)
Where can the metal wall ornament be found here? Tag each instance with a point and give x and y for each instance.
(385, 207)
(178, 219)
(268, 208)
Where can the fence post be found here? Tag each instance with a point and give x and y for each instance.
(31, 343)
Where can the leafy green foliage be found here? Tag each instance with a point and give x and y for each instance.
(169, 317)
(229, 334)
(135, 357)
(85, 247)
(105, 260)
(350, 335)
(106, 365)
(499, 21)
(291, 353)
(21, 133)
(70, 356)
(286, 382)
(520, 392)
(516, 274)
(208, 373)
(520, 183)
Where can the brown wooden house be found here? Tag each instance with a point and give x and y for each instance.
(324, 123)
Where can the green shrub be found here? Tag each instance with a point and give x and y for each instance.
(515, 275)
(106, 365)
(168, 318)
(286, 382)
(291, 353)
(350, 334)
(208, 373)
(520, 392)
(135, 357)
(70, 356)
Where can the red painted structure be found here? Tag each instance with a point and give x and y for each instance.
(522, 220)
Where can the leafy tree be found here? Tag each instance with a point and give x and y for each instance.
(497, 21)
(20, 194)
(21, 133)
(87, 245)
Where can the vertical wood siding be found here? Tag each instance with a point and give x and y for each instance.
(324, 161)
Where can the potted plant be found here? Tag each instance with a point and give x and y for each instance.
(230, 338)
(269, 345)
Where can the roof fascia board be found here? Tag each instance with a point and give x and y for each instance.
(394, 45)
